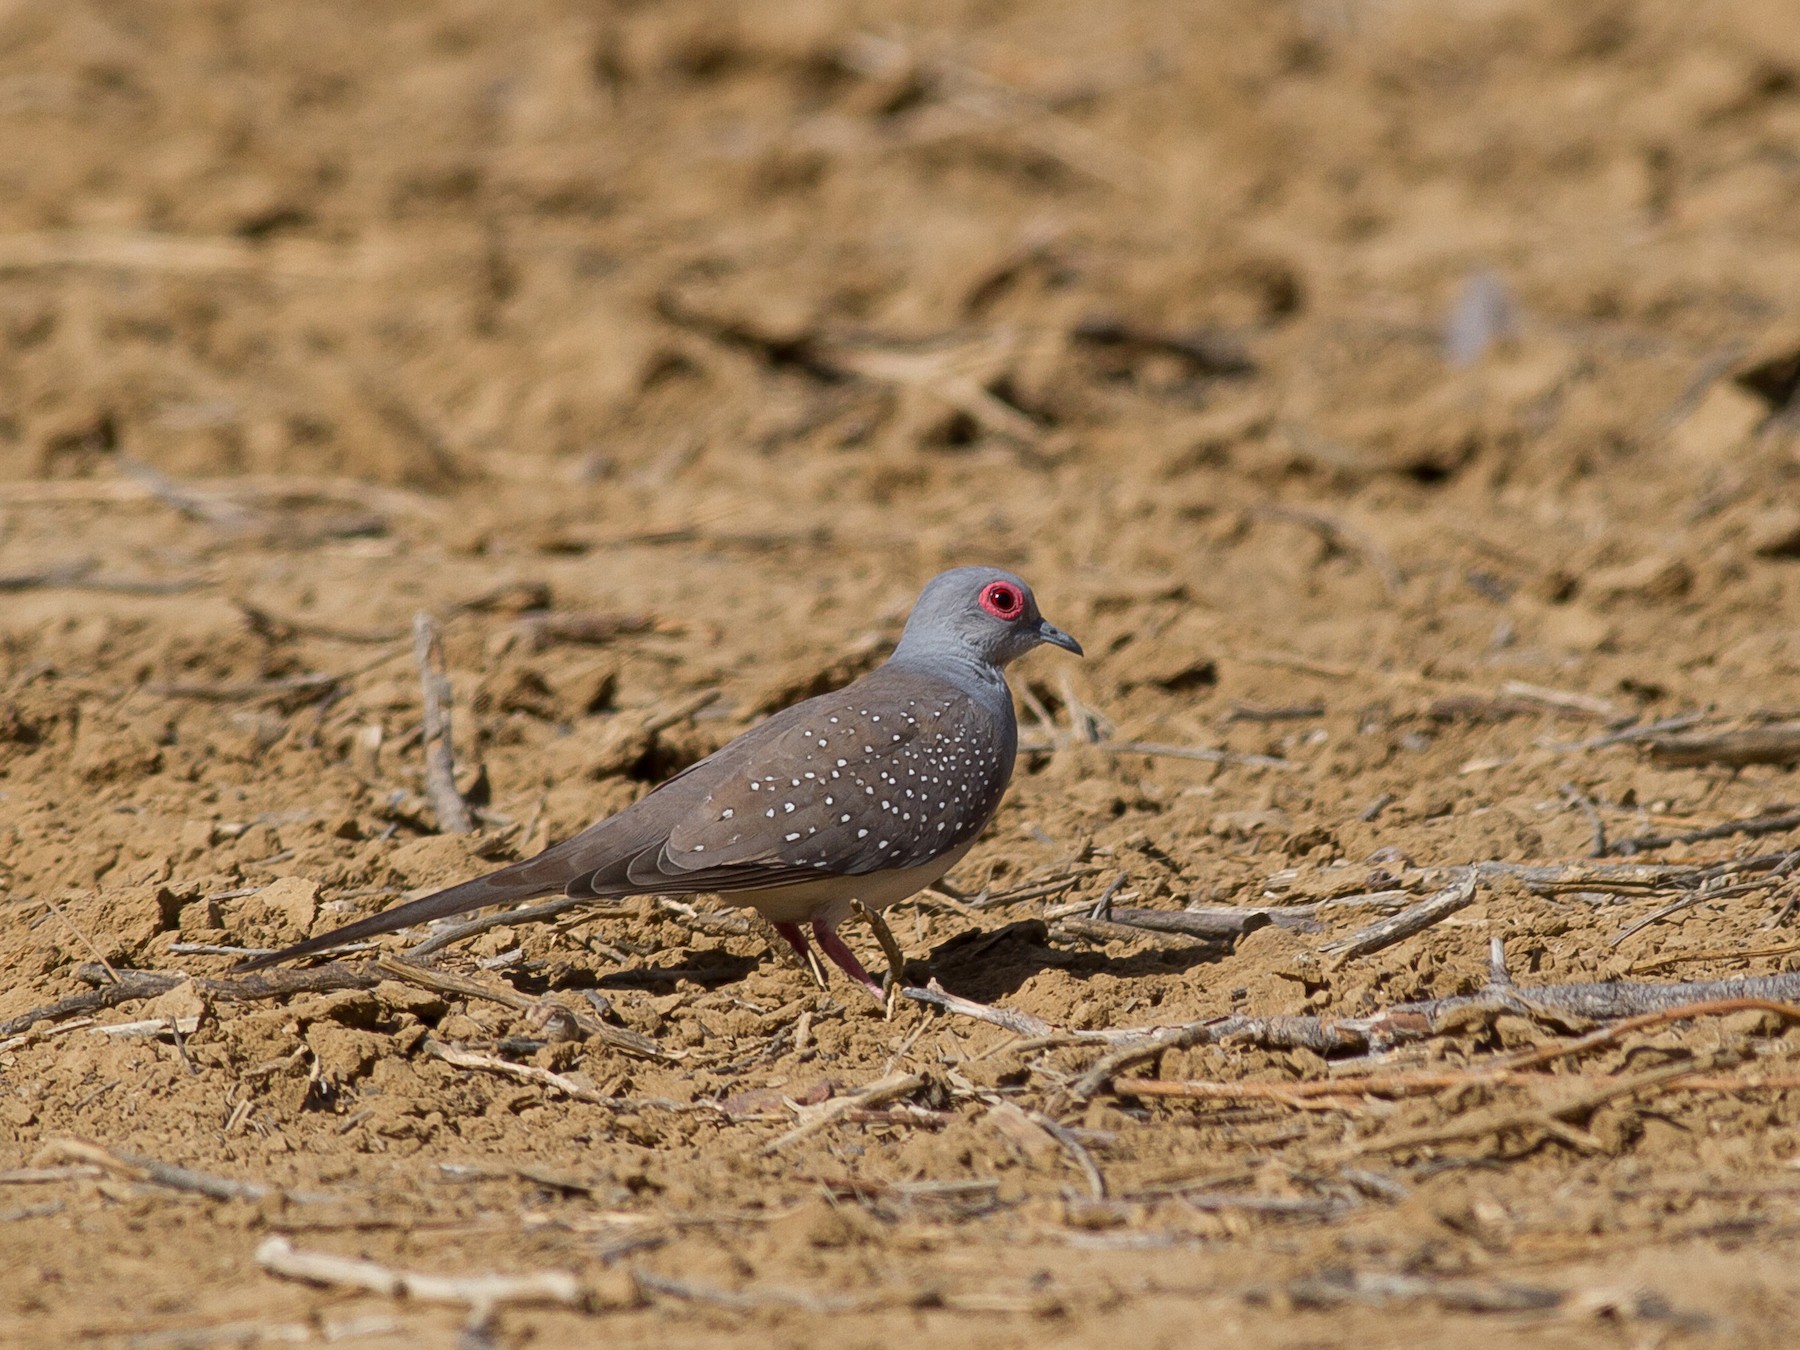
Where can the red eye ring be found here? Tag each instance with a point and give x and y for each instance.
(1002, 600)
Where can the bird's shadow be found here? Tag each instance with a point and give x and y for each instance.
(989, 964)
(985, 964)
(710, 969)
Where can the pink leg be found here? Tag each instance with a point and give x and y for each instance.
(845, 959)
(796, 938)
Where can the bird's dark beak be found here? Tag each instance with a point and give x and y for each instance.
(1049, 632)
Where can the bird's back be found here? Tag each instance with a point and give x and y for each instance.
(884, 774)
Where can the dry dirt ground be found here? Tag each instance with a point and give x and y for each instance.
(1401, 395)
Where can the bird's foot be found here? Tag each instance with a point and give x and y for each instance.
(845, 959)
(896, 959)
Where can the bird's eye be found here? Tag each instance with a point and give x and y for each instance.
(1002, 601)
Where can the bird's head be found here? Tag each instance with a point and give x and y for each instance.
(980, 613)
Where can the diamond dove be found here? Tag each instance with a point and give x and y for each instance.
(869, 794)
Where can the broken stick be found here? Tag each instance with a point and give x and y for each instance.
(1777, 744)
(1595, 1001)
(440, 764)
(278, 1256)
(1399, 927)
(459, 986)
(135, 985)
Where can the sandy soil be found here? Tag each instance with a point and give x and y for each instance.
(1401, 392)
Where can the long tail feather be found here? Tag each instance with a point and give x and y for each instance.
(496, 888)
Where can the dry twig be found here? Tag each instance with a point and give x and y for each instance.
(134, 985)
(542, 913)
(815, 1118)
(586, 628)
(1205, 925)
(1702, 894)
(1010, 1019)
(266, 623)
(82, 938)
(1508, 1069)
(1551, 1119)
(1293, 712)
(60, 574)
(440, 763)
(1606, 1000)
(1756, 826)
(545, 1078)
(1596, 822)
(286, 487)
(1562, 700)
(197, 255)
(1036, 891)
(219, 512)
(890, 949)
(278, 1256)
(1397, 928)
(746, 1300)
(1105, 930)
(317, 684)
(1065, 1137)
(1383, 1289)
(459, 986)
(1776, 744)
(150, 1171)
(1625, 736)
(1716, 954)
(38, 1176)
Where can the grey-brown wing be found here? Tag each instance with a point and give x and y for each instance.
(856, 792)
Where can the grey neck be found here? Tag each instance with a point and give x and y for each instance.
(981, 680)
